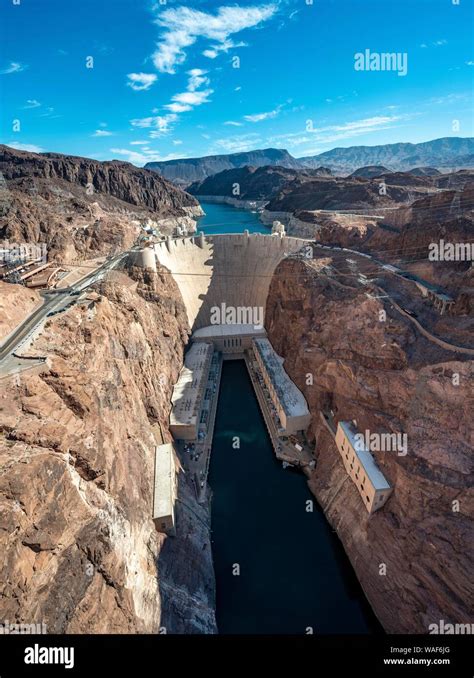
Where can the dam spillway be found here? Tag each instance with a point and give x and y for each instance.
(231, 269)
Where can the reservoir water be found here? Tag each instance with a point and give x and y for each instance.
(227, 219)
(293, 572)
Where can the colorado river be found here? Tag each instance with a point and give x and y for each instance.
(279, 568)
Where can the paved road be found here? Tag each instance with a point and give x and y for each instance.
(54, 301)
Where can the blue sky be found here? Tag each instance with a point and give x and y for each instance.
(164, 82)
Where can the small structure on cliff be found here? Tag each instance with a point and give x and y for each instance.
(361, 467)
(164, 495)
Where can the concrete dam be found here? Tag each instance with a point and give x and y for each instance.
(231, 269)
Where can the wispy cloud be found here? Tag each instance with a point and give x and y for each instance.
(138, 143)
(32, 103)
(233, 123)
(180, 103)
(330, 134)
(143, 156)
(183, 26)
(13, 67)
(435, 43)
(141, 81)
(31, 148)
(240, 143)
(258, 117)
(102, 133)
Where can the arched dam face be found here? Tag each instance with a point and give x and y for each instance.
(231, 269)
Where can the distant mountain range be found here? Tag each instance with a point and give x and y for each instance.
(447, 153)
(187, 170)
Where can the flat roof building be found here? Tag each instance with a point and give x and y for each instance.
(362, 468)
(230, 339)
(164, 494)
(288, 400)
(189, 390)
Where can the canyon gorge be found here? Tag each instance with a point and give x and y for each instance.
(79, 547)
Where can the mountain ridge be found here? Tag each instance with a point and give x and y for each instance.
(445, 152)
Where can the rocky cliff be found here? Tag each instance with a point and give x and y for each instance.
(411, 556)
(81, 207)
(79, 550)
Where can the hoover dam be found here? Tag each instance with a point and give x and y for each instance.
(231, 269)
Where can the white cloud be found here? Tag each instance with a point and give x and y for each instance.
(141, 81)
(180, 103)
(233, 123)
(258, 117)
(13, 67)
(102, 133)
(183, 26)
(32, 103)
(469, 63)
(177, 142)
(435, 43)
(146, 155)
(215, 50)
(192, 98)
(237, 89)
(138, 143)
(240, 143)
(32, 148)
(335, 133)
(160, 123)
(197, 78)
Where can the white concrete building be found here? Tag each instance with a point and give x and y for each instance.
(229, 339)
(189, 390)
(359, 463)
(288, 400)
(165, 489)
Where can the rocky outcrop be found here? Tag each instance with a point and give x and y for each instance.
(79, 550)
(16, 302)
(410, 557)
(81, 207)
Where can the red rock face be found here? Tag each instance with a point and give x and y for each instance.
(78, 546)
(390, 379)
(81, 207)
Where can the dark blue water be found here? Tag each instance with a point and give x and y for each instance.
(226, 219)
(294, 573)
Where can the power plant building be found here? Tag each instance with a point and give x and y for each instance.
(288, 400)
(360, 465)
(189, 390)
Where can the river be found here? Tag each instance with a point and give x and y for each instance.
(279, 568)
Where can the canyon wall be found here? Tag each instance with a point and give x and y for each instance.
(82, 208)
(79, 550)
(411, 557)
